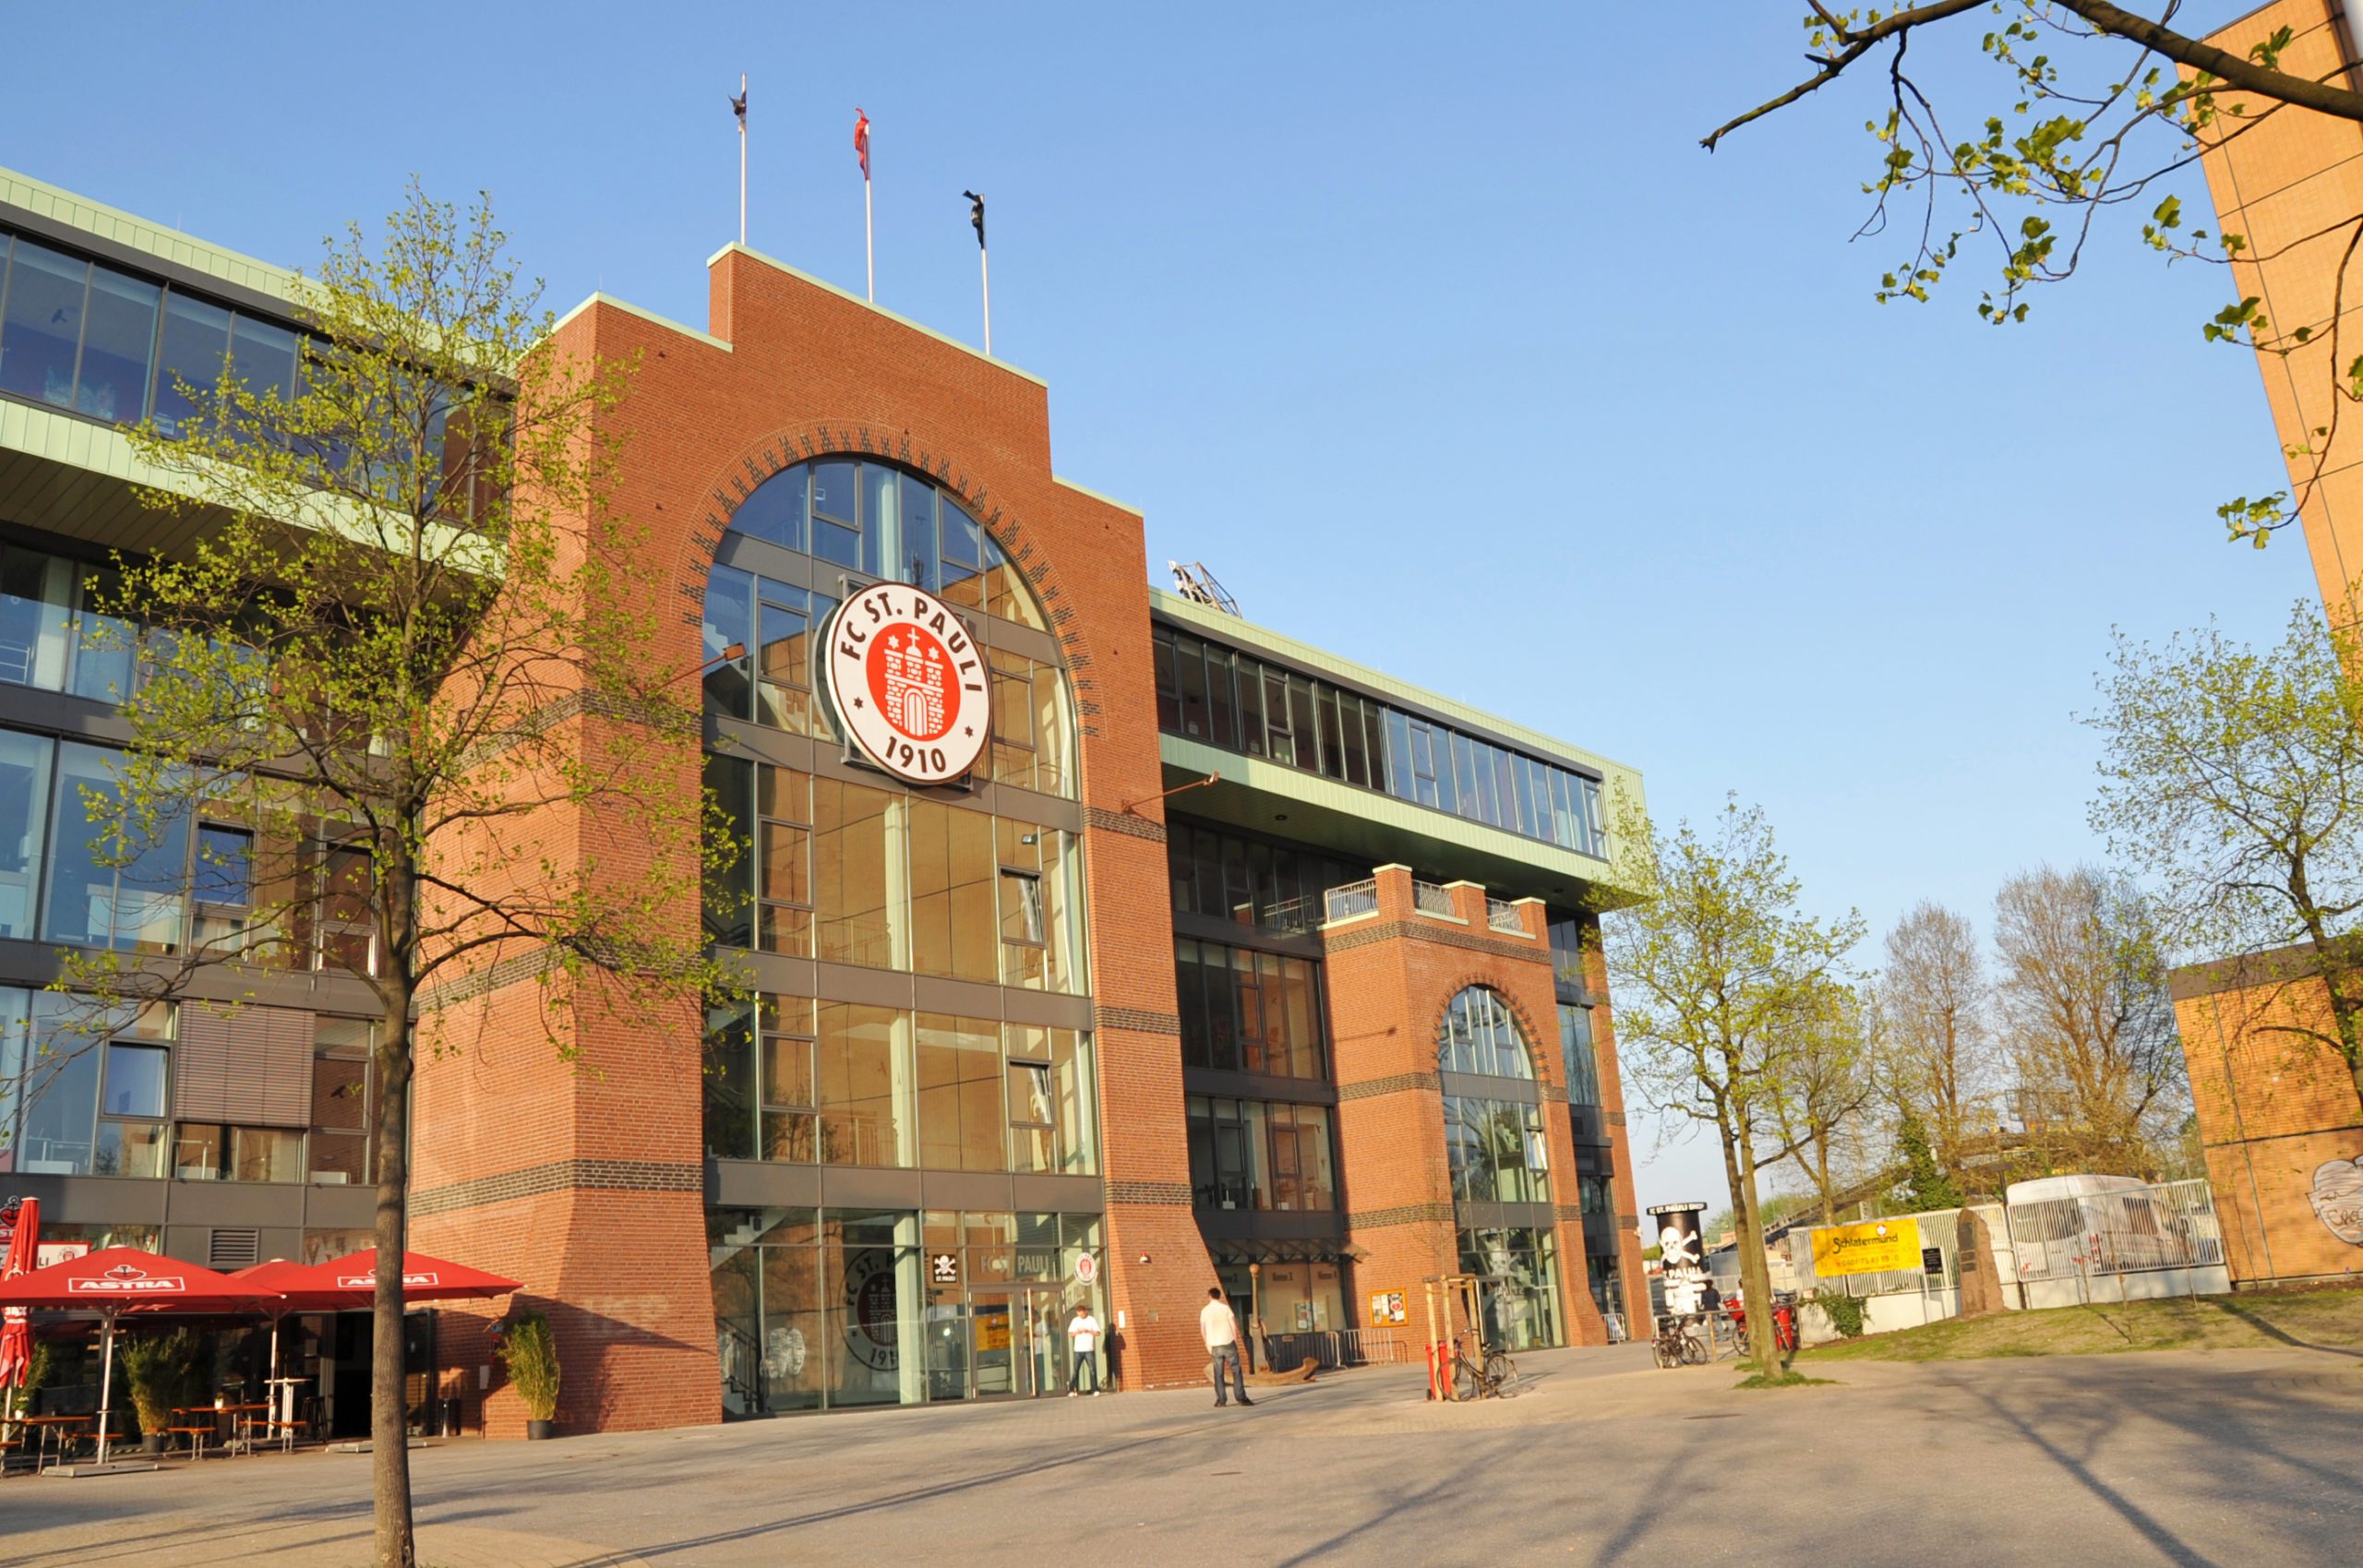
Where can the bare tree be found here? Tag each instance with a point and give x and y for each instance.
(1933, 1000)
(2083, 992)
(2099, 111)
(1827, 1085)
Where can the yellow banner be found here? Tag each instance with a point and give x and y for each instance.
(1877, 1248)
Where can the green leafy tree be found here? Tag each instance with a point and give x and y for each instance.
(2232, 782)
(2098, 110)
(400, 645)
(1714, 969)
(1827, 1085)
(1938, 1054)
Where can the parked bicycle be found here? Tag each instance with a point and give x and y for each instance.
(1485, 1377)
(1679, 1342)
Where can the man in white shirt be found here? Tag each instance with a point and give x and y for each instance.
(1083, 1340)
(1219, 1329)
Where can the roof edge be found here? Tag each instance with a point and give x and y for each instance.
(899, 319)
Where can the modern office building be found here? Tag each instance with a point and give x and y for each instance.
(2277, 1108)
(1106, 946)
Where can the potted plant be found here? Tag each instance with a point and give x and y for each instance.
(530, 1352)
(158, 1368)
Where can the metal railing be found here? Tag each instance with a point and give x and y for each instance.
(1431, 898)
(1332, 1348)
(1354, 898)
(1503, 915)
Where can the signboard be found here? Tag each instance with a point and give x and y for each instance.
(992, 1329)
(907, 684)
(1882, 1246)
(1087, 1268)
(48, 1252)
(1932, 1261)
(943, 1268)
(1386, 1308)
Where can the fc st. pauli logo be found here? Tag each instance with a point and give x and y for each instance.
(908, 683)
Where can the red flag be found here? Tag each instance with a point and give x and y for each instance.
(861, 140)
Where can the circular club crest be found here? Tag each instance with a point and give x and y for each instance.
(907, 683)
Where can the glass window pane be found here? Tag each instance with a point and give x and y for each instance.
(262, 355)
(1399, 754)
(858, 887)
(881, 521)
(24, 806)
(101, 645)
(43, 324)
(196, 341)
(225, 871)
(729, 621)
(1190, 674)
(862, 1085)
(36, 618)
(134, 1080)
(1222, 725)
(60, 1120)
(919, 553)
(833, 492)
(775, 511)
(118, 347)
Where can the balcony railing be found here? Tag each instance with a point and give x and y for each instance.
(1432, 898)
(1353, 899)
(1503, 915)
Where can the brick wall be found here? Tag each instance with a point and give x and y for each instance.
(2275, 1107)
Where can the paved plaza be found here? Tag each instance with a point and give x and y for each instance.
(2190, 1458)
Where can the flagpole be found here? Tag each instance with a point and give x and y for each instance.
(985, 269)
(868, 239)
(742, 158)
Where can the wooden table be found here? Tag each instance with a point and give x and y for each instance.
(198, 1432)
(44, 1426)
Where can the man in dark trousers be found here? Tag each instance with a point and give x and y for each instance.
(1219, 1329)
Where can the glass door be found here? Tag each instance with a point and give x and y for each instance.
(997, 1337)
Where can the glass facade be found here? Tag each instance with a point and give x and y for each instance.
(1260, 1154)
(1268, 887)
(1581, 1059)
(1235, 701)
(837, 1309)
(90, 1091)
(878, 877)
(1522, 1298)
(1499, 1152)
(1244, 1010)
(98, 340)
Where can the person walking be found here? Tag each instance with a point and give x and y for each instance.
(1219, 1329)
(1083, 1341)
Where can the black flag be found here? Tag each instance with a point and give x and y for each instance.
(738, 107)
(977, 215)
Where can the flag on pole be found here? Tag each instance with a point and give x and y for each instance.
(977, 215)
(861, 140)
(738, 104)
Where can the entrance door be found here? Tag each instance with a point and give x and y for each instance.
(1014, 1346)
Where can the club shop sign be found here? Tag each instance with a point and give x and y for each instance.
(907, 683)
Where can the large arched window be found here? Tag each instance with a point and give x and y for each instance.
(1478, 1035)
(1497, 1146)
(810, 531)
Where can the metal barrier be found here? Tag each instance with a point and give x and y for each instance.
(1503, 915)
(1332, 1348)
(1432, 898)
(2171, 1225)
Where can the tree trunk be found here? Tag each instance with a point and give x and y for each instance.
(1755, 1276)
(388, 1436)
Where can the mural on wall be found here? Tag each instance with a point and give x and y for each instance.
(2338, 1198)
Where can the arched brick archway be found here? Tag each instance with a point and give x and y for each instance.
(1537, 1050)
(783, 450)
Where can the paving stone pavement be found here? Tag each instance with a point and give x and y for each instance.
(2195, 1460)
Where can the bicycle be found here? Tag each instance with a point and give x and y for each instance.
(1472, 1379)
(1677, 1345)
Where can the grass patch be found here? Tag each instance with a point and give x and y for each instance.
(2327, 1319)
(1784, 1379)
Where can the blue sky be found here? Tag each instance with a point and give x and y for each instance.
(1445, 347)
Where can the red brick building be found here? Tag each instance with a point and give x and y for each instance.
(1227, 963)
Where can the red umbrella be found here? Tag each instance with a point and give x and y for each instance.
(22, 1229)
(115, 1280)
(278, 1274)
(351, 1281)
